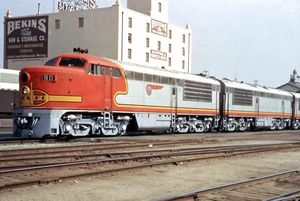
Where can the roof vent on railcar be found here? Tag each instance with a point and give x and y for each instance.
(204, 74)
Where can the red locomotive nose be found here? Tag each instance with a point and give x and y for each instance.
(40, 87)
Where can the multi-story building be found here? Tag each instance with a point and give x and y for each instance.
(293, 85)
(139, 33)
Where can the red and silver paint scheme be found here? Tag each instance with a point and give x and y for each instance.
(80, 94)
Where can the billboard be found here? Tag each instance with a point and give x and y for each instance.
(26, 37)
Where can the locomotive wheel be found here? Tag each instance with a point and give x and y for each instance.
(231, 127)
(200, 128)
(273, 127)
(295, 126)
(111, 132)
(191, 129)
(242, 127)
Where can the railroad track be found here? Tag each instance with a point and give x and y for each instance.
(14, 140)
(58, 155)
(89, 147)
(276, 187)
(33, 173)
(50, 158)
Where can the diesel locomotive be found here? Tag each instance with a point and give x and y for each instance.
(78, 94)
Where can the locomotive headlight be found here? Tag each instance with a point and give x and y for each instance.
(25, 90)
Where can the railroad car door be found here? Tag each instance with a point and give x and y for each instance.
(107, 89)
(257, 106)
(173, 106)
(282, 108)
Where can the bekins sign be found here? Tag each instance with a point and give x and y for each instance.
(26, 37)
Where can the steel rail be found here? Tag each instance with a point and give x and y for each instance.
(150, 164)
(170, 153)
(6, 140)
(65, 149)
(197, 193)
(286, 197)
(89, 147)
(79, 148)
(114, 160)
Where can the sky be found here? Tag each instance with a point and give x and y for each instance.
(246, 40)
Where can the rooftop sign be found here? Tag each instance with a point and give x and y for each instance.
(73, 5)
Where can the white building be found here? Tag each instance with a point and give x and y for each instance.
(139, 33)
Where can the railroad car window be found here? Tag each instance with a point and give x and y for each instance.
(156, 78)
(116, 73)
(242, 97)
(130, 75)
(51, 62)
(298, 104)
(216, 88)
(229, 90)
(196, 91)
(179, 82)
(172, 81)
(139, 76)
(71, 62)
(147, 78)
(164, 80)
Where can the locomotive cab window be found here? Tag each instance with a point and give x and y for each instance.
(106, 71)
(72, 62)
(51, 62)
(94, 69)
(116, 73)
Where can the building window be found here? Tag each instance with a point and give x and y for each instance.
(130, 22)
(183, 51)
(159, 7)
(170, 34)
(147, 57)
(148, 27)
(147, 42)
(183, 38)
(170, 48)
(129, 38)
(129, 53)
(80, 22)
(158, 45)
(183, 64)
(169, 61)
(57, 24)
